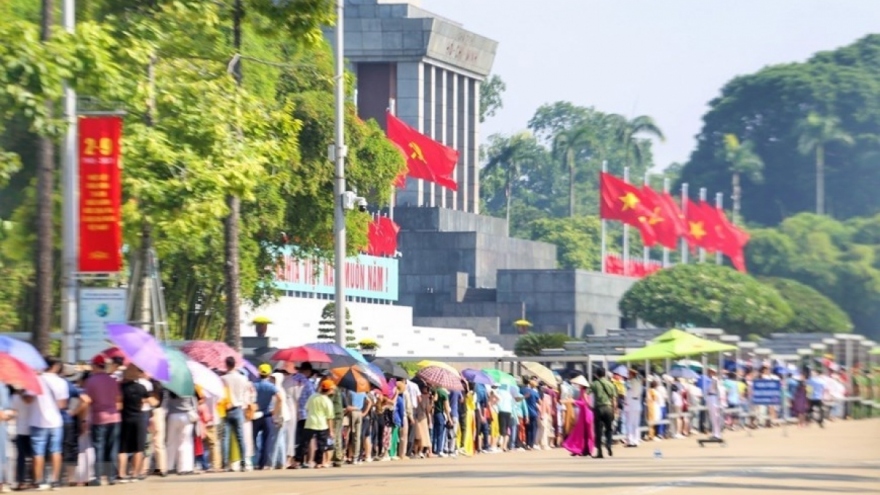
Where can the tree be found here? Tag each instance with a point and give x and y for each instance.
(508, 155)
(706, 295)
(327, 326)
(628, 132)
(577, 240)
(813, 312)
(767, 108)
(567, 145)
(742, 161)
(816, 132)
(531, 344)
(490, 96)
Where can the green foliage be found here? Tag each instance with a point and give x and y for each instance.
(327, 326)
(841, 260)
(411, 367)
(769, 108)
(577, 240)
(490, 96)
(813, 312)
(531, 344)
(707, 295)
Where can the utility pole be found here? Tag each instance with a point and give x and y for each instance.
(70, 207)
(338, 156)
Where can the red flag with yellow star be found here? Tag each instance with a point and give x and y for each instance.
(665, 218)
(625, 202)
(702, 222)
(425, 158)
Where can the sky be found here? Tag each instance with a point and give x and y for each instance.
(663, 58)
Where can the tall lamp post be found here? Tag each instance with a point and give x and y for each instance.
(337, 154)
(70, 220)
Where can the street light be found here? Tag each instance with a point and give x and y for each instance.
(338, 156)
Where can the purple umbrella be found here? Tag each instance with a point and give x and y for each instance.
(142, 349)
(476, 376)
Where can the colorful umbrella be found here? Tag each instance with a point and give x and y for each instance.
(339, 357)
(181, 380)
(543, 373)
(23, 352)
(19, 375)
(357, 355)
(425, 363)
(301, 354)
(476, 376)
(390, 368)
(214, 354)
(142, 349)
(500, 377)
(207, 379)
(353, 378)
(436, 376)
(376, 374)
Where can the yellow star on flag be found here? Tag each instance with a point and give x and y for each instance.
(697, 230)
(655, 217)
(630, 201)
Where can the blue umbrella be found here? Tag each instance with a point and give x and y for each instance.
(23, 351)
(329, 348)
(357, 355)
(339, 355)
(476, 376)
(686, 373)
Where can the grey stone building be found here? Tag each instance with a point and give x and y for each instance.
(431, 68)
(460, 269)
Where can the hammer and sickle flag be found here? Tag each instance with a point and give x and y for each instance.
(425, 158)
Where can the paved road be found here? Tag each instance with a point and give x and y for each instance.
(843, 458)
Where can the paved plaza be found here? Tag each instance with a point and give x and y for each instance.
(842, 458)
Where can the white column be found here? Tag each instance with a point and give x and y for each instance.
(410, 109)
(452, 134)
(464, 155)
(471, 168)
(431, 120)
(443, 112)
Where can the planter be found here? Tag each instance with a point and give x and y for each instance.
(368, 352)
(261, 328)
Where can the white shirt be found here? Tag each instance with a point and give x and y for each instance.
(44, 411)
(149, 386)
(239, 388)
(634, 389)
(412, 390)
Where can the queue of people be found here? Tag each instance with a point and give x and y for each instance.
(112, 424)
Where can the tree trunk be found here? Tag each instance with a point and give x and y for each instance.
(570, 183)
(737, 196)
(45, 226)
(820, 180)
(230, 245)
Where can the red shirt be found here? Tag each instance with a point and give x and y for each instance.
(105, 393)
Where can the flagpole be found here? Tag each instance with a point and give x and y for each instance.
(719, 204)
(702, 251)
(665, 249)
(625, 231)
(646, 251)
(684, 205)
(392, 109)
(603, 223)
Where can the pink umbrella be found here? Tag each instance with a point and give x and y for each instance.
(436, 376)
(214, 354)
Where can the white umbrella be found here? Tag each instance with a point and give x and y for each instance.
(621, 370)
(207, 379)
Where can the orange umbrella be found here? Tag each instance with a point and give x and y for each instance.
(353, 378)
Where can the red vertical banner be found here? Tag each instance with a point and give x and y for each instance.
(100, 195)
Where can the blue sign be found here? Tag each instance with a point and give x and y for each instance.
(767, 392)
(365, 276)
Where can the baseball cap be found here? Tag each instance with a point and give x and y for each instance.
(328, 384)
(99, 361)
(265, 369)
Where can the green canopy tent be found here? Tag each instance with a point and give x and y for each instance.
(675, 344)
(875, 351)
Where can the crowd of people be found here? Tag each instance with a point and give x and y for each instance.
(114, 424)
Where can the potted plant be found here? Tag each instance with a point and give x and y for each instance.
(522, 325)
(261, 324)
(368, 346)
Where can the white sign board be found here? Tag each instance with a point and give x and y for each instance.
(97, 308)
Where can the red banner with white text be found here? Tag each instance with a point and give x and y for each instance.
(100, 195)
(637, 268)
